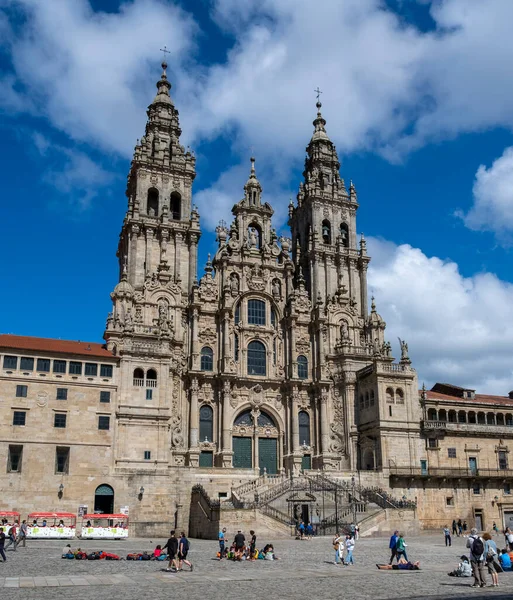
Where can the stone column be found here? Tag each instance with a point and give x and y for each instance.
(294, 411)
(226, 451)
(293, 361)
(363, 289)
(193, 258)
(226, 340)
(195, 341)
(351, 432)
(178, 244)
(194, 425)
(132, 257)
(256, 456)
(149, 242)
(324, 425)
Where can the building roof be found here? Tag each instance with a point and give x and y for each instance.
(46, 345)
(477, 399)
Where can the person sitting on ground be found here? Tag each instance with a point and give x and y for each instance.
(402, 565)
(157, 552)
(505, 560)
(463, 569)
(67, 550)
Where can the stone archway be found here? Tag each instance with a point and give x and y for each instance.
(255, 436)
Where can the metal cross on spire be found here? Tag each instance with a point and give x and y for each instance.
(165, 51)
(318, 92)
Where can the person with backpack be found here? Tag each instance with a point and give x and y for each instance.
(400, 548)
(183, 549)
(477, 558)
(491, 556)
(11, 533)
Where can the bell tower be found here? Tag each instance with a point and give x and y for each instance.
(160, 234)
(323, 225)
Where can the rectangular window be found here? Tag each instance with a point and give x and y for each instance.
(104, 396)
(62, 393)
(147, 455)
(503, 459)
(149, 394)
(256, 312)
(91, 369)
(26, 363)
(18, 417)
(10, 362)
(43, 365)
(507, 489)
(206, 459)
(59, 366)
(62, 460)
(21, 391)
(451, 452)
(14, 459)
(432, 443)
(476, 489)
(449, 501)
(103, 423)
(75, 368)
(59, 420)
(106, 370)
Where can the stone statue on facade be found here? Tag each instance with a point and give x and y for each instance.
(253, 238)
(404, 350)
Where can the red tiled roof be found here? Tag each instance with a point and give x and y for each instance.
(478, 399)
(21, 342)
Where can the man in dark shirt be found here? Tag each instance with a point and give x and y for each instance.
(2, 543)
(172, 549)
(239, 540)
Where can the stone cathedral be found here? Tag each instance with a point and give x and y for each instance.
(266, 366)
(267, 360)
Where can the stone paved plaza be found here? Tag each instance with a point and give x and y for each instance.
(306, 570)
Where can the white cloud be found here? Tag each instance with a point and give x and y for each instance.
(459, 330)
(493, 198)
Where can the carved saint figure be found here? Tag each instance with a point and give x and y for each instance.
(253, 238)
(276, 288)
(344, 331)
(404, 349)
(234, 284)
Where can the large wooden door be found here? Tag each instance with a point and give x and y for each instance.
(242, 452)
(268, 455)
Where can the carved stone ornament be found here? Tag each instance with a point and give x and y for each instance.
(177, 440)
(234, 399)
(207, 335)
(208, 291)
(337, 438)
(42, 399)
(256, 395)
(255, 278)
(303, 345)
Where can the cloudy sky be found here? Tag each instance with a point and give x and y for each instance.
(418, 96)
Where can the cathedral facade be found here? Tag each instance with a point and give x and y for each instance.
(271, 359)
(269, 363)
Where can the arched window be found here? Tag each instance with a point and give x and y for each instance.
(452, 416)
(138, 377)
(432, 414)
(273, 318)
(304, 428)
(302, 367)
(442, 415)
(472, 417)
(509, 420)
(256, 312)
(481, 418)
(256, 358)
(245, 418)
(326, 232)
(490, 418)
(500, 419)
(153, 203)
(207, 359)
(462, 416)
(265, 420)
(390, 395)
(104, 499)
(344, 234)
(237, 314)
(206, 424)
(236, 348)
(399, 396)
(176, 206)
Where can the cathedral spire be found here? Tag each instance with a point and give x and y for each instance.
(163, 88)
(320, 125)
(253, 189)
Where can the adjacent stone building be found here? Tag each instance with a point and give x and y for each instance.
(269, 363)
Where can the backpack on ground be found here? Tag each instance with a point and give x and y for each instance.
(477, 547)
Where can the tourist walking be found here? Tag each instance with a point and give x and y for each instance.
(12, 536)
(495, 528)
(454, 527)
(349, 550)
(491, 555)
(183, 550)
(400, 548)
(357, 532)
(393, 546)
(465, 527)
(22, 535)
(477, 555)
(460, 527)
(222, 540)
(338, 546)
(252, 545)
(2, 543)
(172, 550)
(447, 534)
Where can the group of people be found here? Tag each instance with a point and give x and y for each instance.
(241, 549)
(459, 528)
(344, 544)
(12, 535)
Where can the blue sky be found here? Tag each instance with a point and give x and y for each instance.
(417, 97)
